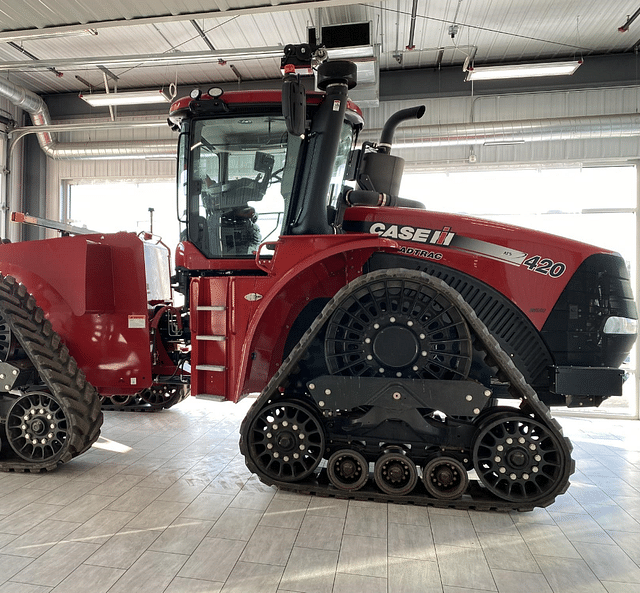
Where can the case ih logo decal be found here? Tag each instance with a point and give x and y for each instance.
(408, 233)
(444, 237)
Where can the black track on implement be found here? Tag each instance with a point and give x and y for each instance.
(56, 415)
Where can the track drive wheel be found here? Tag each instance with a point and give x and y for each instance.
(398, 327)
(445, 478)
(286, 440)
(395, 473)
(348, 470)
(518, 458)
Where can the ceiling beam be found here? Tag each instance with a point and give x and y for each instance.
(26, 34)
(162, 59)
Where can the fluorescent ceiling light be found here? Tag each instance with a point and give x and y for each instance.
(522, 70)
(125, 98)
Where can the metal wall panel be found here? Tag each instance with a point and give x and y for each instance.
(508, 108)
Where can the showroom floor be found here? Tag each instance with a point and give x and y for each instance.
(164, 503)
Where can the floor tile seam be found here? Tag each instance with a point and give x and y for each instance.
(585, 541)
(484, 555)
(120, 533)
(125, 571)
(619, 548)
(581, 559)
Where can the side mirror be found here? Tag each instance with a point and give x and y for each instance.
(294, 105)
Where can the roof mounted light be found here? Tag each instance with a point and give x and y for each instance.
(521, 70)
(125, 98)
(215, 92)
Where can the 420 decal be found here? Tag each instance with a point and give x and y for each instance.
(537, 263)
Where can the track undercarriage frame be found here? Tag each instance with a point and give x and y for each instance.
(364, 437)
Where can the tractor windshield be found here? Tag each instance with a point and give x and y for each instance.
(241, 177)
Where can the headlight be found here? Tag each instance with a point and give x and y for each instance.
(621, 325)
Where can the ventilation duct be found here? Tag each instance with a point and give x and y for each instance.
(37, 109)
(517, 132)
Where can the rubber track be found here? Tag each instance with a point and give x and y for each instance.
(57, 369)
(139, 405)
(476, 497)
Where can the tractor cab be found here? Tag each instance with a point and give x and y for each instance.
(244, 178)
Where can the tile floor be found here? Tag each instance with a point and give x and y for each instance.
(164, 503)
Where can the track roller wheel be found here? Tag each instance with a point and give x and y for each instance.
(395, 474)
(36, 427)
(286, 441)
(348, 470)
(163, 395)
(518, 458)
(445, 478)
(119, 400)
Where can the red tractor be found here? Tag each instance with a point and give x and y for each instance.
(397, 352)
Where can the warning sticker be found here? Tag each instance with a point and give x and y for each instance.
(137, 321)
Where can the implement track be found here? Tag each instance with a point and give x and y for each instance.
(476, 497)
(59, 372)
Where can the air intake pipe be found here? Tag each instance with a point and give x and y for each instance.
(389, 129)
(379, 171)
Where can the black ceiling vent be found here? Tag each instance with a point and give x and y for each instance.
(334, 36)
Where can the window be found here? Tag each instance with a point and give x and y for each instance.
(114, 207)
(242, 176)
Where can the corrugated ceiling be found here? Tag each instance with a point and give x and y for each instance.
(57, 35)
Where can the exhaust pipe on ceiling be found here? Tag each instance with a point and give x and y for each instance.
(39, 113)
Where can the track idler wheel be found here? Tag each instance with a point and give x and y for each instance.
(445, 478)
(518, 458)
(286, 441)
(348, 470)
(36, 427)
(395, 474)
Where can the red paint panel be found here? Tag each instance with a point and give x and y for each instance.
(529, 267)
(92, 289)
